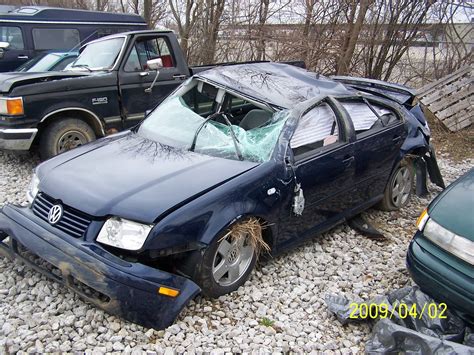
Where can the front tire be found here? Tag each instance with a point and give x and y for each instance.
(63, 135)
(399, 188)
(225, 265)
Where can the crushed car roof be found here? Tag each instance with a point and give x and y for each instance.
(280, 85)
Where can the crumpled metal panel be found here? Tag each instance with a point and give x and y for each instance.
(277, 84)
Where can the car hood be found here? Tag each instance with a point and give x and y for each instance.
(132, 177)
(453, 207)
(12, 79)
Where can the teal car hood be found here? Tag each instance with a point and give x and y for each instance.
(454, 207)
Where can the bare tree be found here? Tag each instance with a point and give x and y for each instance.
(262, 19)
(354, 26)
(308, 20)
(185, 15)
(209, 27)
(153, 11)
(391, 29)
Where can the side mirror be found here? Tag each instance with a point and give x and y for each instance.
(154, 64)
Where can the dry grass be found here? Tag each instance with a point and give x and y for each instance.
(458, 146)
(251, 228)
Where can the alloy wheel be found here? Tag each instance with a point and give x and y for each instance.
(401, 186)
(232, 260)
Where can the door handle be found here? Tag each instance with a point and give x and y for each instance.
(396, 139)
(179, 76)
(348, 160)
(144, 73)
(22, 57)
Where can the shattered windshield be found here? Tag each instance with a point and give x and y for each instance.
(98, 55)
(219, 124)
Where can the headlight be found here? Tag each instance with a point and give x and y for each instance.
(455, 244)
(124, 234)
(33, 188)
(12, 106)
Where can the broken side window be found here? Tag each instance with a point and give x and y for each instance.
(368, 116)
(201, 100)
(317, 128)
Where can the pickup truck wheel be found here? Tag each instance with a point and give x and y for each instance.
(63, 135)
(225, 265)
(399, 188)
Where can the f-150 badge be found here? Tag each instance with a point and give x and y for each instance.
(100, 100)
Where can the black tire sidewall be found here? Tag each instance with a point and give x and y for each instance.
(53, 132)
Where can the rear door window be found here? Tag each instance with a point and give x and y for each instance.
(54, 38)
(369, 117)
(13, 36)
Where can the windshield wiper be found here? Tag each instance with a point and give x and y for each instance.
(81, 66)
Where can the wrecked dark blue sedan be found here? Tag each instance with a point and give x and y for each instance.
(239, 160)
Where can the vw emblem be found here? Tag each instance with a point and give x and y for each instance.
(55, 214)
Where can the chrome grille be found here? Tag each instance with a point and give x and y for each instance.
(72, 221)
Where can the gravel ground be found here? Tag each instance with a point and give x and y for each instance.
(280, 308)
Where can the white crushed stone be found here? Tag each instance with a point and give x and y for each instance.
(38, 315)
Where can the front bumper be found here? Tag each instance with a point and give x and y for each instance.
(129, 290)
(17, 138)
(437, 276)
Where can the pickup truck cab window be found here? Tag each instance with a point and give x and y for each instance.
(147, 48)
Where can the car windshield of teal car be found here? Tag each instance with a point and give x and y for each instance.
(39, 64)
(209, 120)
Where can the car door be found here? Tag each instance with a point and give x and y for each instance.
(380, 132)
(135, 78)
(17, 52)
(323, 166)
